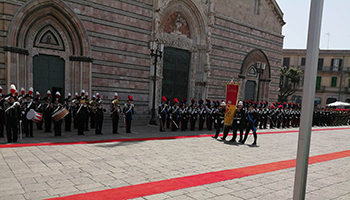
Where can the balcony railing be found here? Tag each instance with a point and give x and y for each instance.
(321, 89)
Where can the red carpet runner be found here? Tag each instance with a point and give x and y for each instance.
(157, 187)
(144, 139)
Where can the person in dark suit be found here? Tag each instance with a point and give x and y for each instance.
(251, 122)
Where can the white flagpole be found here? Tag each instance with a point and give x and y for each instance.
(312, 52)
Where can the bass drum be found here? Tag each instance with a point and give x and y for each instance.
(60, 114)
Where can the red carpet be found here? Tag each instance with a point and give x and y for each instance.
(157, 187)
(143, 139)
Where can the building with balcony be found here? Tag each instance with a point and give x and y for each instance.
(333, 75)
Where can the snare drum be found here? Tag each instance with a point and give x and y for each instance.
(34, 116)
(60, 114)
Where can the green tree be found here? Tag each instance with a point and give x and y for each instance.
(289, 82)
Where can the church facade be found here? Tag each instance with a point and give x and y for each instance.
(103, 46)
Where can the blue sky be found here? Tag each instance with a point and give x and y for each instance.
(335, 20)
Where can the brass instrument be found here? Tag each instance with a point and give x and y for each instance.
(115, 101)
(92, 106)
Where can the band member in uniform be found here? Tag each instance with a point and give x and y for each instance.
(100, 109)
(128, 113)
(68, 118)
(115, 110)
(202, 114)
(57, 106)
(47, 112)
(92, 110)
(76, 102)
(81, 114)
(162, 115)
(251, 122)
(39, 109)
(220, 116)
(12, 113)
(238, 122)
(175, 115)
(29, 104)
(85, 95)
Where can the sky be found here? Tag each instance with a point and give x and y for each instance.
(335, 20)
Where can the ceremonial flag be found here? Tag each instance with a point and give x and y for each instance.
(232, 94)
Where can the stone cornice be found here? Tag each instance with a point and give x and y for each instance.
(276, 11)
(16, 50)
(81, 58)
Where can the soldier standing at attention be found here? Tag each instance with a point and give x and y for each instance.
(115, 110)
(168, 110)
(193, 115)
(128, 113)
(202, 114)
(162, 112)
(175, 115)
(220, 116)
(252, 118)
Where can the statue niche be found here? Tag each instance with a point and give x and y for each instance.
(177, 24)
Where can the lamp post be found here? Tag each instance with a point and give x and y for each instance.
(156, 53)
(260, 67)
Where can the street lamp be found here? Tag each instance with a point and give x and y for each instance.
(156, 52)
(260, 67)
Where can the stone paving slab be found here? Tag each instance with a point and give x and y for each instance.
(80, 168)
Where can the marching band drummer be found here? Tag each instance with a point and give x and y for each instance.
(39, 108)
(57, 107)
(115, 110)
(68, 118)
(128, 113)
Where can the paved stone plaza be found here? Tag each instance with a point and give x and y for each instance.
(40, 172)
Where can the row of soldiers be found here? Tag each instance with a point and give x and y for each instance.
(180, 115)
(14, 109)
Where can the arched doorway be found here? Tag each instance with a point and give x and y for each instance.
(255, 76)
(49, 36)
(180, 25)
